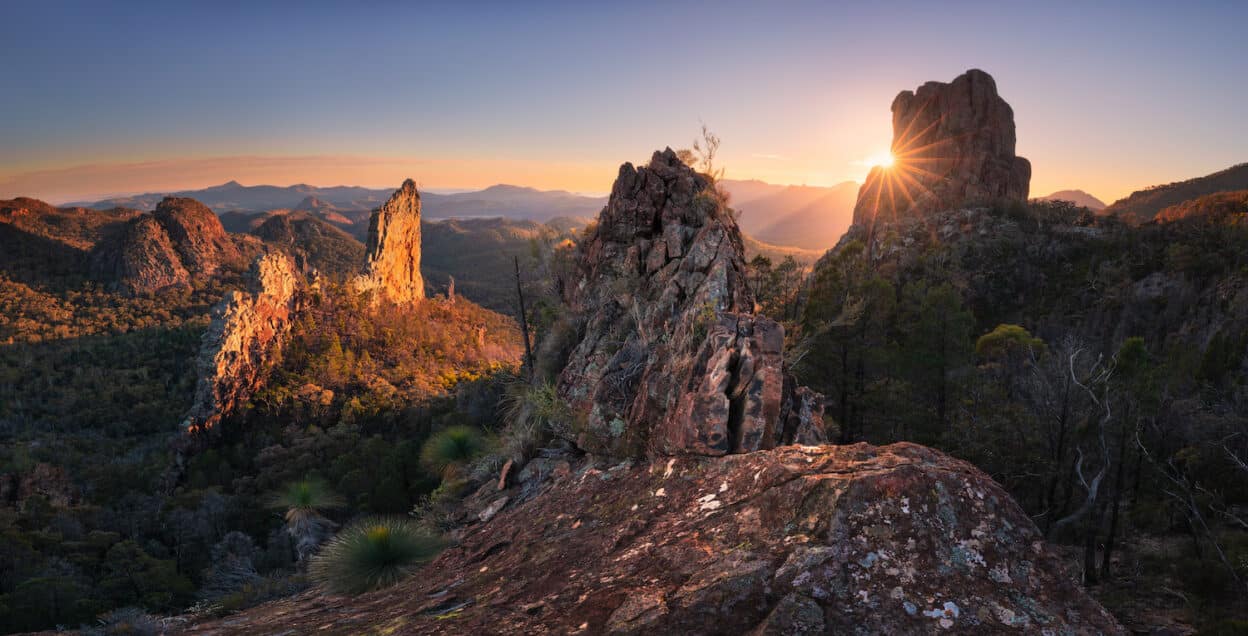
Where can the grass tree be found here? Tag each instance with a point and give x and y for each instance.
(303, 504)
(371, 554)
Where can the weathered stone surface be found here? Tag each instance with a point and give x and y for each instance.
(140, 259)
(672, 359)
(953, 144)
(243, 340)
(197, 235)
(392, 272)
(851, 539)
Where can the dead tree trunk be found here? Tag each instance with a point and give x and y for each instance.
(524, 324)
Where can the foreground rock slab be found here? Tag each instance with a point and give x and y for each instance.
(794, 540)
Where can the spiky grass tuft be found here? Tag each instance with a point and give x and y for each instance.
(371, 554)
(452, 448)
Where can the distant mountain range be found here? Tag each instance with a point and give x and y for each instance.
(354, 203)
(807, 217)
(1078, 197)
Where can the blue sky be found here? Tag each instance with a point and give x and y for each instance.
(109, 97)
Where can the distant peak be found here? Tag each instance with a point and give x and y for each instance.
(505, 187)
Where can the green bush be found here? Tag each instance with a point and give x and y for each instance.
(452, 448)
(372, 554)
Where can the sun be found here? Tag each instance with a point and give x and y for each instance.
(881, 160)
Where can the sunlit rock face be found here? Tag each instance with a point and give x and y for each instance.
(243, 340)
(953, 144)
(672, 359)
(392, 272)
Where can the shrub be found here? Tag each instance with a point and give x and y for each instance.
(451, 449)
(1008, 340)
(372, 554)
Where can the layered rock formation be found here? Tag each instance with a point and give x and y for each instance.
(795, 540)
(162, 250)
(392, 272)
(953, 144)
(672, 359)
(141, 259)
(245, 335)
(197, 234)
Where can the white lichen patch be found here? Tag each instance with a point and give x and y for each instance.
(660, 492)
(709, 502)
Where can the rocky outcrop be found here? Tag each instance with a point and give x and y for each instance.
(140, 259)
(161, 251)
(953, 144)
(392, 272)
(795, 540)
(672, 359)
(197, 234)
(244, 338)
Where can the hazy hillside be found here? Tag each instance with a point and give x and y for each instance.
(1143, 205)
(1078, 197)
(809, 217)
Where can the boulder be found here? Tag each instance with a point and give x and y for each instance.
(392, 272)
(672, 359)
(795, 540)
(953, 144)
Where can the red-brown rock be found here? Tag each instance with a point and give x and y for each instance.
(141, 259)
(672, 359)
(953, 144)
(795, 540)
(197, 234)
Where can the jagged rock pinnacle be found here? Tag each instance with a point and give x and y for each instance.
(953, 144)
(673, 360)
(392, 271)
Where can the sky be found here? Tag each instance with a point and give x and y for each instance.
(103, 98)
